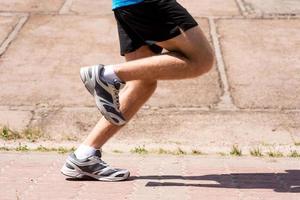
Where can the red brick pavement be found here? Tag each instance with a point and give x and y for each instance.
(37, 176)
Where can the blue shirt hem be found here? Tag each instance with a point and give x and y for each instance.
(118, 4)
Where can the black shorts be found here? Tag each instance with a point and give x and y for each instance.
(149, 22)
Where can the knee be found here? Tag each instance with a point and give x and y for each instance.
(203, 64)
(149, 85)
(143, 85)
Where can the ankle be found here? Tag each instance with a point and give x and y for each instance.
(109, 74)
(84, 151)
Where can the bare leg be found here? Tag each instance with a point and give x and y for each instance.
(133, 96)
(190, 55)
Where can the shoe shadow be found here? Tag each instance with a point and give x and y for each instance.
(279, 182)
(81, 179)
(87, 178)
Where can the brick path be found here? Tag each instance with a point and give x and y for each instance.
(33, 176)
(250, 98)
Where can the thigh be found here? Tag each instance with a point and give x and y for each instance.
(141, 52)
(191, 43)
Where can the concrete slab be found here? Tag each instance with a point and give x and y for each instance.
(92, 7)
(50, 51)
(201, 91)
(7, 24)
(211, 7)
(15, 119)
(31, 5)
(273, 6)
(265, 71)
(210, 132)
(196, 8)
(67, 123)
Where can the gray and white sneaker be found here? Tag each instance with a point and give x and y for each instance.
(92, 167)
(106, 94)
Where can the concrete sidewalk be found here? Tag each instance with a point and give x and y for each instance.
(36, 176)
(250, 98)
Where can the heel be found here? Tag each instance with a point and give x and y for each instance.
(82, 76)
(86, 80)
(70, 172)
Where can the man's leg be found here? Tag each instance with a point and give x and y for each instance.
(190, 56)
(86, 160)
(132, 97)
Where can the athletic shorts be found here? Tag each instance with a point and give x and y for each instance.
(149, 22)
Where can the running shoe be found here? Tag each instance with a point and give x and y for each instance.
(92, 167)
(106, 94)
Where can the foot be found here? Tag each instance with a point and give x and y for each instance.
(92, 167)
(106, 94)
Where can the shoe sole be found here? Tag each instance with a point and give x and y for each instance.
(83, 76)
(90, 88)
(80, 174)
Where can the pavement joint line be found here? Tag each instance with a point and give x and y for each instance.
(81, 190)
(283, 16)
(160, 174)
(32, 118)
(233, 182)
(277, 178)
(198, 109)
(255, 17)
(291, 134)
(25, 13)
(12, 35)
(66, 7)
(12, 14)
(241, 7)
(252, 17)
(184, 174)
(226, 99)
(249, 9)
(136, 183)
(34, 183)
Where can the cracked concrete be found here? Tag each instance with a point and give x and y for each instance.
(273, 7)
(252, 90)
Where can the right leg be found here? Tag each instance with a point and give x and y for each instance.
(189, 55)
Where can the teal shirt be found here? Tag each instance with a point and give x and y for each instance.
(121, 3)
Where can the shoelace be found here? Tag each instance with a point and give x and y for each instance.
(117, 97)
(102, 162)
(116, 93)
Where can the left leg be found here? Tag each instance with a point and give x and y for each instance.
(87, 158)
(132, 97)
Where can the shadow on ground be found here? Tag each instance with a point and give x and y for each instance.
(279, 182)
